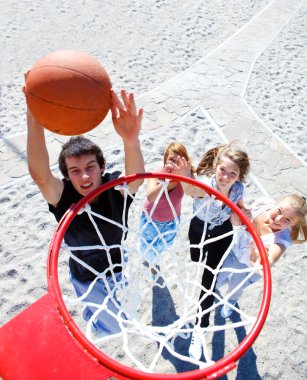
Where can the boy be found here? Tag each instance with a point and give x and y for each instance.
(83, 167)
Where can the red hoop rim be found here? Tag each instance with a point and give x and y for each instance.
(221, 366)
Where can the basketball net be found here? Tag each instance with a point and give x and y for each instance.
(154, 303)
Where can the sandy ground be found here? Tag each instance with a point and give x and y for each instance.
(142, 44)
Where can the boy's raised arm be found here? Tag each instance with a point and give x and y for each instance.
(49, 184)
(127, 123)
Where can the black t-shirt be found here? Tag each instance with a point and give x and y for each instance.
(81, 231)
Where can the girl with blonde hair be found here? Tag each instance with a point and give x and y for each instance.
(279, 224)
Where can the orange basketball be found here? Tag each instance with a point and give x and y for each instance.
(68, 92)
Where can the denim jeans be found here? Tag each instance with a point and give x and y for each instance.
(155, 237)
(104, 324)
(235, 279)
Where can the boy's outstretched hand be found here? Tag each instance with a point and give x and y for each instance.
(126, 118)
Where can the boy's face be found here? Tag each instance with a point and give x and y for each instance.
(84, 173)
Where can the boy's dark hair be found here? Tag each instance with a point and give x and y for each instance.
(76, 147)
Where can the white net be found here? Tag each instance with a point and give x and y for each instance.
(144, 315)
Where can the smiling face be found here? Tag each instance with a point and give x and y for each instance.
(282, 216)
(227, 172)
(84, 172)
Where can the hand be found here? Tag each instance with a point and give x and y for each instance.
(126, 119)
(168, 168)
(235, 220)
(254, 255)
(25, 77)
(182, 167)
(32, 122)
(247, 212)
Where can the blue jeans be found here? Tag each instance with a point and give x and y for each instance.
(155, 237)
(235, 279)
(104, 324)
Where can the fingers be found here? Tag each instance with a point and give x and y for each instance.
(115, 100)
(127, 103)
(25, 78)
(183, 163)
(131, 104)
(116, 105)
(235, 219)
(168, 168)
(114, 111)
(182, 167)
(125, 98)
(140, 115)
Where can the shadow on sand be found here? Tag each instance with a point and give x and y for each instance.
(164, 313)
(247, 365)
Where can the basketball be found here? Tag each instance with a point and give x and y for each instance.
(68, 92)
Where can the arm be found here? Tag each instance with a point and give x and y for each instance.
(50, 185)
(154, 186)
(127, 123)
(245, 210)
(274, 253)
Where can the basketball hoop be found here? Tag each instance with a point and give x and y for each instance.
(137, 295)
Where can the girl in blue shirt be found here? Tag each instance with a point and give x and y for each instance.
(224, 168)
(279, 224)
